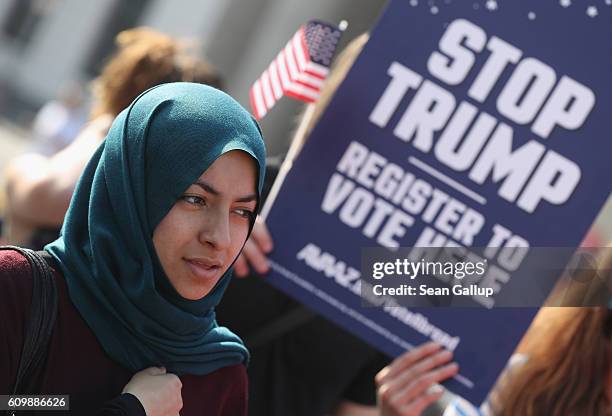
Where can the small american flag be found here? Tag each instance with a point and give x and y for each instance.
(299, 69)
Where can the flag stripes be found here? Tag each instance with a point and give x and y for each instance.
(294, 72)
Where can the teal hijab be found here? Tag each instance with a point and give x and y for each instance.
(155, 149)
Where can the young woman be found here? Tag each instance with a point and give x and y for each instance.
(158, 217)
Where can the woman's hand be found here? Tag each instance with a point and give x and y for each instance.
(408, 385)
(255, 250)
(158, 392)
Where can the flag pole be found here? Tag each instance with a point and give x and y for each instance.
(299, 138)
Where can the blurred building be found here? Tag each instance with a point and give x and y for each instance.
(46, 43)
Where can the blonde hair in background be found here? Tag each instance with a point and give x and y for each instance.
(568, 365)
(145, 58)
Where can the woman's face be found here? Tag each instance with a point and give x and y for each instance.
(202, 234)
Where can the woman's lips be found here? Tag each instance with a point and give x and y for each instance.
(203, 270)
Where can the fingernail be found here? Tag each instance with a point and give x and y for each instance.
(382, 373)
(435, 389)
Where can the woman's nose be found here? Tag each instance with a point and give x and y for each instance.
(216, 230)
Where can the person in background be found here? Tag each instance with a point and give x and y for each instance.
(562, 366)
(39, 188)
(59, 121)
(157, 220)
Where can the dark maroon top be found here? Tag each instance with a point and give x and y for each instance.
(77, 365)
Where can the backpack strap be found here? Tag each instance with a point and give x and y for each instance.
(43, 313)
(48, 259)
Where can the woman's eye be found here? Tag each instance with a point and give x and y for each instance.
(245, 213)
(194, 200)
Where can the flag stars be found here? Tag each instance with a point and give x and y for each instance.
(434, 10)
(491, 5)
(565, 3)
(609, 2)
(531, 16)
(591, 11)
(414, 3)
(299, 69)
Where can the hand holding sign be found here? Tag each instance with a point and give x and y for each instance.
(255, 251)
(408, 385)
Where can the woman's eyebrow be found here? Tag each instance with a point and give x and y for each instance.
(208, 188)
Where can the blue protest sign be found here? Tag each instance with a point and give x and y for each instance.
(461, 124)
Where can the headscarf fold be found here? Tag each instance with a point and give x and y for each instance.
(156, 148)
